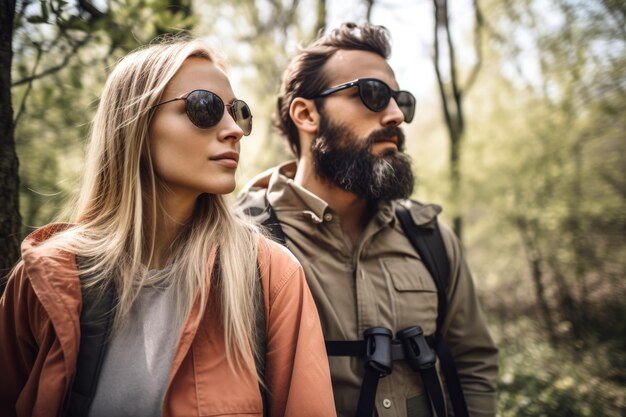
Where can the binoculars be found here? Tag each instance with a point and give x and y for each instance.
(410, 345)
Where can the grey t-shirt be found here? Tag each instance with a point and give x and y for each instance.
(138, 359)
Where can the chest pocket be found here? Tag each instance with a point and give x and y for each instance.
(409, 275)
(414, 293)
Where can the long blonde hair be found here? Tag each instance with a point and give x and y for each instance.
(118, 207)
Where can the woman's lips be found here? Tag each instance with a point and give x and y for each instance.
(228, 159)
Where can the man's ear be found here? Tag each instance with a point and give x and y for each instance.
(304, 114)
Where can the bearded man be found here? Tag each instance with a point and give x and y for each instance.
(384, 315)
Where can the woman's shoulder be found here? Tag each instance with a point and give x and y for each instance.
(46, 264)
(39, 246)
(278, 265)
(277, 254)
(48, 274)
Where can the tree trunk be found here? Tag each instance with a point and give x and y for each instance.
(534, 257)
(451, 100)
(452, 94)
(567, 305)
(370, 6)
(10, 219)
(320, 23)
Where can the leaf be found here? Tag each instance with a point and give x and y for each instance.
(75, 23)
(36, 19)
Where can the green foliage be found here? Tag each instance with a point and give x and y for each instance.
(538, 380)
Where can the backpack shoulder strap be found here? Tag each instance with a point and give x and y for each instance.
(272, 225)
(96, 319)
(428, 243)
(265, 216)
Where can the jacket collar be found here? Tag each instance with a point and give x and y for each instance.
(53, 277)
(285, 195)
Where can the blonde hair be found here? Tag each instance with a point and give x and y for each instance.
(118, 208)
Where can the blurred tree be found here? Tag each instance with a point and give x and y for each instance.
(452, 93)
(370, 7)
(320, 23)
(9, 181)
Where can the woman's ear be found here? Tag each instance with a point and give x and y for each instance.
(304, 114)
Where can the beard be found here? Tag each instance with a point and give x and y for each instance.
(347, 161)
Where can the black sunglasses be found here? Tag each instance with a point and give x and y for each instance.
(205, 109)
(375, 94)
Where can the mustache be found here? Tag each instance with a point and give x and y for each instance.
(384, 135)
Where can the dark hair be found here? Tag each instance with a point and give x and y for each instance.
(304, 76)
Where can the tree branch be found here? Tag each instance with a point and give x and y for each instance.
(320, 24)
(456, 92)
(442, 90)
(55, 68)
(91, 9)
(28, 89)
(478, 45)
(370, 6)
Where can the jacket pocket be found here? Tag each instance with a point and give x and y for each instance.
(414, 293)
(409, 275)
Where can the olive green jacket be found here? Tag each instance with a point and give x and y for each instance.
(380, 281)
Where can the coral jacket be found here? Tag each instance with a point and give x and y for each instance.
(40, 335)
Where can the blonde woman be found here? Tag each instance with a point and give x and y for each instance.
(152, 227)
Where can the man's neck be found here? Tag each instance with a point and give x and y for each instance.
(354, 212)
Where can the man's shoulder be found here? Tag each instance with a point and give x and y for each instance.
(426, 216)
(422, 214)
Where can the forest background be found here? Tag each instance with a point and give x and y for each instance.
(519, 133)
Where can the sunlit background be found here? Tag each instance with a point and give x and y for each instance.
(534, 182)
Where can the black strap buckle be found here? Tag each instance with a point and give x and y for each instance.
(378, 350)
(416, 350)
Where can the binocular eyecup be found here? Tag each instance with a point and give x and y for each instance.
(378, 350)
(416, 350)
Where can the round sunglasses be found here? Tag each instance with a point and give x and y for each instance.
(205, 109)
(375, 95)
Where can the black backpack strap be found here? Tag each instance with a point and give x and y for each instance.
(272, 225)
(266, 217)
(428, 243)
(96, 320)
(261, 340)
